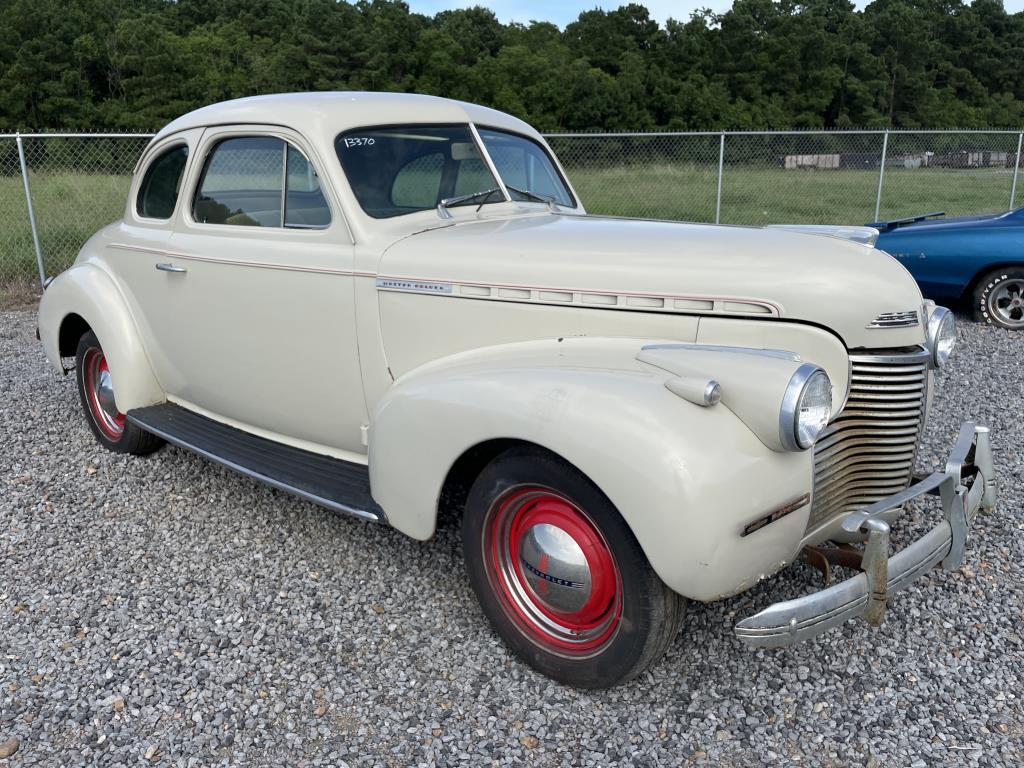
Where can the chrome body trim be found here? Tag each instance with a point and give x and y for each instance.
(862, 235)
(712, 393)
(412, 286)
(907, 319)
(789, 413)
(963, 490)
(779, 354)
(698, 390)
(918, 354)
(328, 503)
(776, 514)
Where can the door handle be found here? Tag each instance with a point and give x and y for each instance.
(166, 266)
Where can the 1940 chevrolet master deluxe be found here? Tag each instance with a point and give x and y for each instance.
(394, 304)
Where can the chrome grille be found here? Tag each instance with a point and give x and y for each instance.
(868, 452)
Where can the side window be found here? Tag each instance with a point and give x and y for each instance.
(418, 184)
(304, 206)
(242, 183)
(158, 192)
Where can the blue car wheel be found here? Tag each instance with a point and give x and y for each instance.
(999, 298)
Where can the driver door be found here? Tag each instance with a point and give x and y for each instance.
(251, 307)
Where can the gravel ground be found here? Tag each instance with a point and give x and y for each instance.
(165, 610)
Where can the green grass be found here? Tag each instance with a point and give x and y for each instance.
(71, 207)
(758, 195)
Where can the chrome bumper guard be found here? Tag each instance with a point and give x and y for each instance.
(966, 484)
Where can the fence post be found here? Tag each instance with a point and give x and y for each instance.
(1016, 170)
(721, 164)
(881, 174)
(31, 211)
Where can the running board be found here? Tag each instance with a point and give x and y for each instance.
(333, 483)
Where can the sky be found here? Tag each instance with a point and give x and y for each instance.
(561, 12)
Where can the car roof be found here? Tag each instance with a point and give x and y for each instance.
(338, 111)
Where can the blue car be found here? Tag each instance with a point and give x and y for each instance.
(970, 259)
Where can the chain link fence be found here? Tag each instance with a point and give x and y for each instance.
(792, 177)
(78, 182)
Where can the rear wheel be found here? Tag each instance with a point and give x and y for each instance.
(561, 576)
(999, 298)
(95, 388)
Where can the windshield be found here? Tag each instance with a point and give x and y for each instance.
(397, 170)
(525, 168)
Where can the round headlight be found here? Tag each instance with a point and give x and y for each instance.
(806, 407)
(941, 335)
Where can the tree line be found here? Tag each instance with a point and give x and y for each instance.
(135, 64)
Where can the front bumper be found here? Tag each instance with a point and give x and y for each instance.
(966, 485)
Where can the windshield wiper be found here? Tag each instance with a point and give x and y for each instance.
(550, 200)
(442, 207)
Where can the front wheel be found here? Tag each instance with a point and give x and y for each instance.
(560, 575)
(95, 388)
(999, 298)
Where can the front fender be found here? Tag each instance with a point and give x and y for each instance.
(88, 291)
(687, 479)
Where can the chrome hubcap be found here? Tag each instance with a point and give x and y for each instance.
(105, 394)
(555, 568)
(1006, 303)
(99, 390)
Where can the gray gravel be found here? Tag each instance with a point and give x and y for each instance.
(165, 611)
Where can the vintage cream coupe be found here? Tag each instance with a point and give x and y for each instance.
(395, 305)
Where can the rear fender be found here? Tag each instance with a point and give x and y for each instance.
(86, 290)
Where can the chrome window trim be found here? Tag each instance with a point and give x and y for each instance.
(284, 180)
(490, 162)
(284, 193)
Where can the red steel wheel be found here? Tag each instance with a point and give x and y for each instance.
(554, 570)
(559, 573)
(96, 391)
(100, 394)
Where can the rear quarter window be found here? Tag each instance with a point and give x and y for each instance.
(158, 193)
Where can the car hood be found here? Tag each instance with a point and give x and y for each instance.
(832, 283)
(956, 222)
